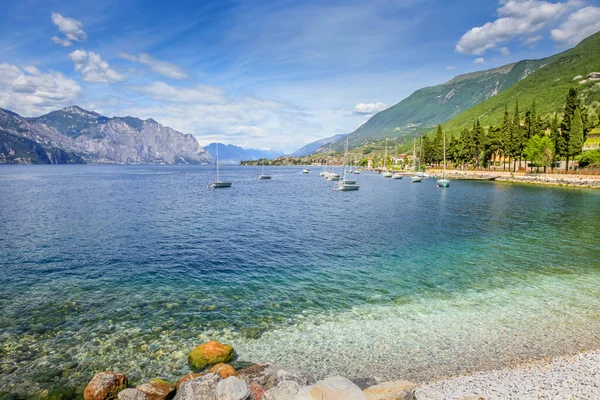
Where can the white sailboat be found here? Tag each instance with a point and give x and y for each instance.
(262, 172)
(218, 183)
(386, 173)
(346, 184)
(444, 182)
(415, 178)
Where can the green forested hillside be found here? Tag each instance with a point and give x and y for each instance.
(434, 105)
(548, 87)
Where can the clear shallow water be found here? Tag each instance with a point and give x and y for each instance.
(128, 267)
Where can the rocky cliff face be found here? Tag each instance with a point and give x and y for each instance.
(97, 138)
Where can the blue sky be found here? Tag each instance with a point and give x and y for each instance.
(264, 74)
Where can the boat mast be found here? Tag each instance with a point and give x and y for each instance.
(385, 156)
(345, 155)
(217, 161)
(444, 173)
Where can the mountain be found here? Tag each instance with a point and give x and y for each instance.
(79, 133)
(232, 154)
(435, 105)
(19, 150)
(315, 146)
(548, 87)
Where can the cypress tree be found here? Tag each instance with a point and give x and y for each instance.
(557, 139)
(516, 138)
(505, 136)
(576, 134)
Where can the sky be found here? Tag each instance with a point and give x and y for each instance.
(264, 74)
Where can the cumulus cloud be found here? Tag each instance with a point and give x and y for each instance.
(70, 28)
(369, 108)
(160, 67)
(450, 68)
(505, 51)
(516, 18)
(93, 68)
(30, 92)
(479, 60)
(578, 26)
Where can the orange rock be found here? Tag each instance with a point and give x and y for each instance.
(186, 378)
(257, 391)
(105, 386)
(210, 353)
(224, 370)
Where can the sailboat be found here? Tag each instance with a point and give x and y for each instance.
(415, 178)
(444, 182)
(262, 172)
(386, 173)
(346, 184)
(218, 183)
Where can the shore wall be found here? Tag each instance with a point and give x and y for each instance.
(570, 180)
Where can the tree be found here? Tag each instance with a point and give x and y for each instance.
(505, 136)
(556, 138)
(576, 134)
(572, 102)
(540, 151)
(517, 137)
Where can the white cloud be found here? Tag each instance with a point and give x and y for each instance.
(531, 41)
(160, 67)
(70, 27)
(93, 68)
(505, 51)
(578, 26)
(450, 68)
(479, 60)
(197, 94)
(31, 92)
(516, 18)
(369, 108)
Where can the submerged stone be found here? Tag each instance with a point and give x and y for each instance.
(105, 386)
(210, 353)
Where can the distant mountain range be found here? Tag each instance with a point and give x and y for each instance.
(75, 135)
(232, 154)
(314, 147)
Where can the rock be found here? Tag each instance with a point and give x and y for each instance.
(233, 388)
(334, 388)
(473, 397)
(301, 378)
(158, 389)
(285, 390)
(577, 77)
(257, 391)
(264, 375)
(186, 378)
(203, 387)
(593, 76)
(104, 386)
(131, 394)
(224, 370)
(210, 353)
(396, 390)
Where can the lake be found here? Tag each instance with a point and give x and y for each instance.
(127, 268)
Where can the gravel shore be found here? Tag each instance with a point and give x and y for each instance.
(574, 377)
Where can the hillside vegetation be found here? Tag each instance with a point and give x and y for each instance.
(547, 87)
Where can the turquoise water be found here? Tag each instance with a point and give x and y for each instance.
(129, 267)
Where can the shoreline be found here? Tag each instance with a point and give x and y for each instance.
(564, 180)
